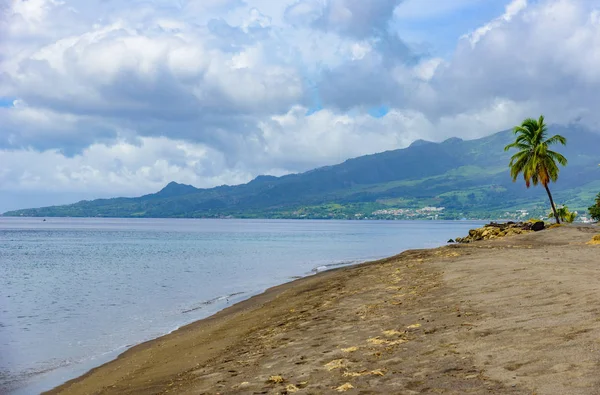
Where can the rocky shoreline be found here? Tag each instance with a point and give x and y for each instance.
(495, 230)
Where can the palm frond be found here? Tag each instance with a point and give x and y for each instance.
(533, 159)
(558, 158)
(556, 139)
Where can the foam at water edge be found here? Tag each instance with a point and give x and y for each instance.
(209, 302)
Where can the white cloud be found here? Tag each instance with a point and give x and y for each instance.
(512, 9)
(426, 69)
(121, 98)
(128, 168)
(545, 56)
(119, 74)
(347, 17)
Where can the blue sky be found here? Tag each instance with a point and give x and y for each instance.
(6, 102)
(109, 98)
(437, 29)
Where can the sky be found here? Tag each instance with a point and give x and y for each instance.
(104, 98)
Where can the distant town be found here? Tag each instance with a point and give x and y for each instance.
(437, 213)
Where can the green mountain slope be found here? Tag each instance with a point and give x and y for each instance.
(468, 178)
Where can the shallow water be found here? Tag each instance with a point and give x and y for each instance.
(74, 293)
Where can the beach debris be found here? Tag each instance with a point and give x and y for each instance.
(335, 364)
(355, 374)
(350, 349)
(302, 384)
(595, 240)
(414, 326)
(276, 379)
(378, 372)
(292, 388)
(379, 341)
(344, 387)
(392, 333)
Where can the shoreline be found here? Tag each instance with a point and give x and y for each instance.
(110, 356)
(200, 356)
(253, 300)
(113, 355)
(69, 362)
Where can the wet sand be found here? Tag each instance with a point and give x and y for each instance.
(519, 315)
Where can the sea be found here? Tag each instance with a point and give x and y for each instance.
(75, 293)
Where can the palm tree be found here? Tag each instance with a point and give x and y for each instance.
(537, 163)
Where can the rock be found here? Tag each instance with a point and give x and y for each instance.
(495, 230)
(536, 227)
(450, 241)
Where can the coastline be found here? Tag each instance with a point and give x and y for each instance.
(162, 300)
(110, 356)
(401, 306)
(251, 302)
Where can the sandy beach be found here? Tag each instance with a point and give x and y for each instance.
(518, 315)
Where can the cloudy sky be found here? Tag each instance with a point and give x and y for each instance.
(103, 98)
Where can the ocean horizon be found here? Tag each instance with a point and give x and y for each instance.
(77, 292)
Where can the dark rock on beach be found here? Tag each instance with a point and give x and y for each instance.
(495, 230)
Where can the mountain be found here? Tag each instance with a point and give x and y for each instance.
(469, 178)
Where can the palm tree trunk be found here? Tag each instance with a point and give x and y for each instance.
(552, 204)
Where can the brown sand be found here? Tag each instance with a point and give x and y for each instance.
(518, 315)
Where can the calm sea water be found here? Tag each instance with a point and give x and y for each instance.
(74, 293)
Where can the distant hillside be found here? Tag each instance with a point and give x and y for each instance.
(468, 178)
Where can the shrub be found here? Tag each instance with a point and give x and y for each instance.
(564, 214)
(595, 209)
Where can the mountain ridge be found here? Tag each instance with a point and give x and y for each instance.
(467, 177)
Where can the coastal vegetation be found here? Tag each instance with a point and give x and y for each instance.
(534, 160)
(595, 209)
(564, 214)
